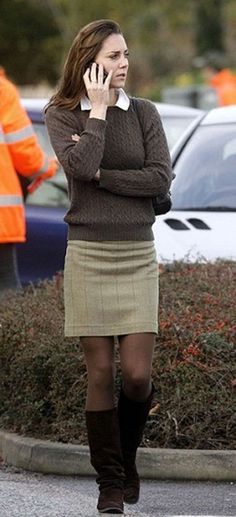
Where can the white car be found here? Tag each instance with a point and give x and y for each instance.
(202, 222)
(176, 119)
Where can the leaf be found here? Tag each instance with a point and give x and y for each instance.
(155, 409)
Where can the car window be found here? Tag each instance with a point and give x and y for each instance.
(174, 127)
(52, 192)
(206, 170)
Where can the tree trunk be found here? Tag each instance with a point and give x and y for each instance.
(209, 33)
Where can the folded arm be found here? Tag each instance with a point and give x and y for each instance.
(80, 159)
(155, 176)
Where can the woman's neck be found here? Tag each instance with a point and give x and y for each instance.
(113, 96)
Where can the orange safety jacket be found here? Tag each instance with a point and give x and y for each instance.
(224, 83)
(20, 153)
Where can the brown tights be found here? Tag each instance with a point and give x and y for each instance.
(136, 353)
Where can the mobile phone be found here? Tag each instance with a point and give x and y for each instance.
(105, 73)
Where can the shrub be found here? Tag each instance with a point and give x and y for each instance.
(43, 375)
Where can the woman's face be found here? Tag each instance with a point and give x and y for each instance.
(114, 56)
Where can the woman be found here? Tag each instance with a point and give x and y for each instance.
(114, 167)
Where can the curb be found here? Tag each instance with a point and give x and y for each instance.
(68, 459)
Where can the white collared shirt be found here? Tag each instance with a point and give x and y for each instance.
(122, 102)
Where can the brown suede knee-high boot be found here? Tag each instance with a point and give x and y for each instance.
(106, 458)
(132, 418)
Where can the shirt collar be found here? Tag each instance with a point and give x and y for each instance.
(122, 102)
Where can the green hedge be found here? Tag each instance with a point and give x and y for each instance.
(43, 375)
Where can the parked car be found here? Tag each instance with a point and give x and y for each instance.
(43, 253)
(202, 222)
(176, 119)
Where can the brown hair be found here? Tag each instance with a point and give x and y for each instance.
(83, 51)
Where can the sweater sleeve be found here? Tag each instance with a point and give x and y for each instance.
(79, 159)
(155, 176)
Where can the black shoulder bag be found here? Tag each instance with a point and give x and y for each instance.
(161, 204)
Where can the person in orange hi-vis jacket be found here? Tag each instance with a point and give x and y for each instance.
(20, 153)
(217, 75)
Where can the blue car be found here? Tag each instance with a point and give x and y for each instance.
(42, 256)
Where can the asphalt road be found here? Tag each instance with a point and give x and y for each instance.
(24, 494)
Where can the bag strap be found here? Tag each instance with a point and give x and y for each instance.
(136, 109)
(161, 206)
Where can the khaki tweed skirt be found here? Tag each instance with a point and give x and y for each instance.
(110, 288)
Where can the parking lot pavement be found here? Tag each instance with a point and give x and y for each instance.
(24, 494)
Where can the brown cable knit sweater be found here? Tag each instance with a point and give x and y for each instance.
(134, 163)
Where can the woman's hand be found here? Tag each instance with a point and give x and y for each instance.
(97, 175)
(97, 90)
(76, 138)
